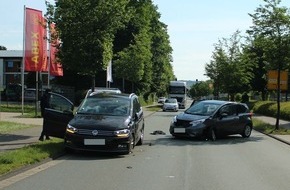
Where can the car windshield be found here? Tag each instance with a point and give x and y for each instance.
(203, 108)
(105, 106)
(170, 101)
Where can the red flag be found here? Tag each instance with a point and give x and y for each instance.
(35, 50)
(55, 67)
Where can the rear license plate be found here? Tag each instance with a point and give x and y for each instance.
(94, 142)
(179, 130)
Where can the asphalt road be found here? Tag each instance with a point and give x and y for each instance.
(163, 162)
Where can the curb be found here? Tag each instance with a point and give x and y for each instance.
(274, 137)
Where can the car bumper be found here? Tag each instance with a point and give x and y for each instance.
(97, 144)
(170, 108)
(187, 132)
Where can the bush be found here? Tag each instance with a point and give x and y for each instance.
(269, 108)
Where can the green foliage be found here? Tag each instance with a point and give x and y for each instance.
(268, 129)
(200, 89)
(15, 159)
(238, 97)
(269, 108)
(227, 68)
(86, 29)
(11, 126)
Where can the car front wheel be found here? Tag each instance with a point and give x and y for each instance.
(212, 134)
(140, 142)
(247, 131)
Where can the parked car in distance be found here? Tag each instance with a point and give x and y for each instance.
(170, 104)
(101, 90)
(30, 94)
(161, 100)
(211, 119)
(104, 122)
(12, 92)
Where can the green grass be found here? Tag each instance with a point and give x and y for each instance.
(269, 129)
(16, 159)
(153, 108)
(10, 126)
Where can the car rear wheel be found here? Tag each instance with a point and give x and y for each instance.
(247, 131)
(212, 134)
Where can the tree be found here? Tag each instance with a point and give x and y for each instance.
(273, 23)
(3, 48)
(87, 29)
(253, 54)
(201, 89)
(142, 50)
(227, 69)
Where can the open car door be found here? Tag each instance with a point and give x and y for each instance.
(57, 115)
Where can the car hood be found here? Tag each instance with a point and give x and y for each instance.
(190, 117)
(100, 122)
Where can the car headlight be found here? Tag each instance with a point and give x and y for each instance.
(174, 119)
(122, 133)
(71, 129)
(196, 122)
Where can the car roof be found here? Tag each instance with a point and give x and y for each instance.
(114, 95)
(221, 102)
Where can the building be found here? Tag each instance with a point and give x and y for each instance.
(10, 69)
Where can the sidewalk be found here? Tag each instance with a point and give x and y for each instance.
(17, 139)
(20, 138)
(282, 123)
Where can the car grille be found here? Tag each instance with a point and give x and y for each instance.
(182, 123)
(89, 132)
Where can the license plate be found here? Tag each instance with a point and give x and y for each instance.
(94, 142)
(179, 130)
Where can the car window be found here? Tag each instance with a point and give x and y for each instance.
(170, 101)
(136, 106)
(242, 109)
(229, 109)
(60, 103)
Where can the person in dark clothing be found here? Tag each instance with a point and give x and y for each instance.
(44, 103)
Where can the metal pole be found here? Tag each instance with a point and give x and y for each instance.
(23, 63)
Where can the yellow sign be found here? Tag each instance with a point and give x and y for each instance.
(273, 80)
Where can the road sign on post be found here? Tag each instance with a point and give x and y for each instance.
(273, 80)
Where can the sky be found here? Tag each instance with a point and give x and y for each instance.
(194, 26)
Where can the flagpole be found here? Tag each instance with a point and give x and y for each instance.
(23, 62)
(48, 59)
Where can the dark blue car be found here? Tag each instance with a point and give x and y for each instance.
(210, 119)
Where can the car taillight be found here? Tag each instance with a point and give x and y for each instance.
(251, 114)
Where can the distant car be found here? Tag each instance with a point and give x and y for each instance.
(211, 119)
(13, 92)
(104, 122)
(30, 95)
(101, 90)
(161, 100)
(170, 104)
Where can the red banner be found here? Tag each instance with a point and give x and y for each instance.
(55, 66)
(35, 42)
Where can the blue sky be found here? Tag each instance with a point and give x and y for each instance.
(194, 26)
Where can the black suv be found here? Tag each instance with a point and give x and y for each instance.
(212, 119)
(105, 122)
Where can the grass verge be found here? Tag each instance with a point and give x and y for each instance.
(269, 129)
(7, 126)
(16, 159)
